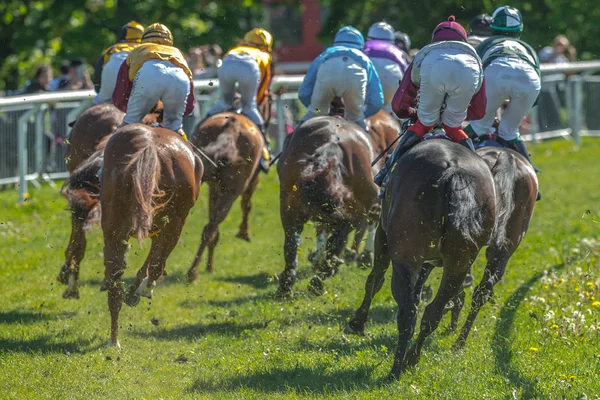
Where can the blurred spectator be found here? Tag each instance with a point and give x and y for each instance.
(211, 59)
(78, 76)
(42, 78)
(561, 52)
(195, 60)
(62, 80)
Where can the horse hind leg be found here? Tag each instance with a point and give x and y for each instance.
(246, 204)
(374, 283)
(494, 271)
(293, 225)
(333, 249)
(115, 247)
(69, 273)
(456, 267)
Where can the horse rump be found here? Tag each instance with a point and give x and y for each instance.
(464, 213)
(321, 183)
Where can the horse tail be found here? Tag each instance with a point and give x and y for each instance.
(321, 182)
(505, 177)
(82, 187)
(144, 169)
(224, 150)
(463, 213)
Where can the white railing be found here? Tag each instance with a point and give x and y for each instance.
(284, 88)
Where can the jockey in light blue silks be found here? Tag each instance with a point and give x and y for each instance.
(389, 61)
(344, 71)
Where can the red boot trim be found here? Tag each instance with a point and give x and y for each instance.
(456, 134)
(420, 129)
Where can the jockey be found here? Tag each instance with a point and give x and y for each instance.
(479, 29)
(250, 66)
(512, 71)
(402, 40)
(447, 71)
(107, 66)
(389, 61)
(344, 71)
(153, 71)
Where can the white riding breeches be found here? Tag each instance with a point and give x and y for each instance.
(159, 80)
(447, 76)
(109, 78)
(344, 78)
(508, 79)
(390, 75)
(241, 69)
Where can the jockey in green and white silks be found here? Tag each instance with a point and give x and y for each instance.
(512, 72)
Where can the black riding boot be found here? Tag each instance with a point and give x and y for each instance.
(519, 147)
(468, 143)
(409, 139)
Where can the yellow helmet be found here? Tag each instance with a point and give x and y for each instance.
(159, 34)
(259, 37)
(131, 32)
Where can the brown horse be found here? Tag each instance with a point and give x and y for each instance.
(235, 144)
(150, 180)
(82, 189)
(515, 181)
(439, 209)
(325, 175)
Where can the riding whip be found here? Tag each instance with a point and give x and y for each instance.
(203, 154)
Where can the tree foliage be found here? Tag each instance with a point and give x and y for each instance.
(579, 20)
(54, 30)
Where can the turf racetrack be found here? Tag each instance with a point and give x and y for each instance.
(227, 336)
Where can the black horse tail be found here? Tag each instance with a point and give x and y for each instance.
(464, 213)
(144, 169)
(505, 177)
(82, 187)
(321, 182)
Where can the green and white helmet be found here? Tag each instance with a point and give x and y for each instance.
(507, 19)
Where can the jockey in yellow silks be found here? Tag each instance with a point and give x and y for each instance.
(248, 65)
(108, 64)
(153, 71)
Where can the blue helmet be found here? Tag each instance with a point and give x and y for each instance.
(349, 36)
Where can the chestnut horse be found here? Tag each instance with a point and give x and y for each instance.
(515, 182)
(325, 175)
(82, 188)
(150, 180)
(235, 144)
(439, 209)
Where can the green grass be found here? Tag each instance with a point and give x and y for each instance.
(539, 339)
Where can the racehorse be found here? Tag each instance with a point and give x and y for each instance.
(325, 175)
(235, 144)
(517, 187)
(515, 181)
(82, 189)
(150, 180)
(439, 209)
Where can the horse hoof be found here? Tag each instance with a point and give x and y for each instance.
(349, 256)
(355, 328)
(285, 293)
(71, 294)
(316, 286)
(132, 299)
(192, 275)
(365, 260)
(243, 236)
(63, 275)
(114, 343)
(459, 344)
(103, 286)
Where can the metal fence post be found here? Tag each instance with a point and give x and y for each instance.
(280, 123)
(22, 150)
(534, 124)
(74, 113)
(577, 109)
(39, 140)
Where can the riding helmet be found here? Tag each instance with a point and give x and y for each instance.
(349, 36)
(449, 30)
(131, 32)
(259, 37)
(381, 31)
(159, 34)
(507, 20)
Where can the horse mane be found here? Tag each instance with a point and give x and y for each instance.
(504, 171)
(224, 149)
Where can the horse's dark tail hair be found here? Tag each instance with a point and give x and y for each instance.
(224, 150)
(321, 183)
(144, 169)
(82, 187)
(504, 172)
(463, 211)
